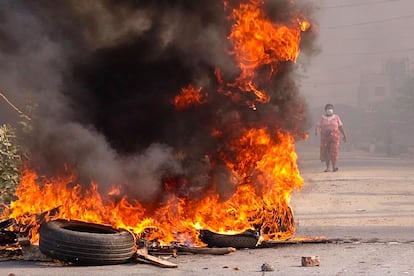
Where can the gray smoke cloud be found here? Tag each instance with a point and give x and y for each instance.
(102, 75)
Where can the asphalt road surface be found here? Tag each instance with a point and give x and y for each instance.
(366, 209)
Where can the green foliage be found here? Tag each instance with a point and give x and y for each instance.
(10, 164)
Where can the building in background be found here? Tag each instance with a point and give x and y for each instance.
(384, 94)
(382, 83)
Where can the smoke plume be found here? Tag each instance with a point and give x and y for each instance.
(101, 77)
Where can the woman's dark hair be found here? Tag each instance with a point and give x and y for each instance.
(328, 106)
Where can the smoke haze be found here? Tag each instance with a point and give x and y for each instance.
(103, 75)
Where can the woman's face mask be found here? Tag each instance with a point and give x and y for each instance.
(329, 112)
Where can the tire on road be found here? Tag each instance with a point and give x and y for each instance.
(85, 243)
(247, 239)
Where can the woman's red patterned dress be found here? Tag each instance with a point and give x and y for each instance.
(330, 137)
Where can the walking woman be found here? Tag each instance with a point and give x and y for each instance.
(330, 128)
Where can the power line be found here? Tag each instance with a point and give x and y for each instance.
(368, 22)
(316, 84)
(372, 53)
(359, 4)
(393, 37)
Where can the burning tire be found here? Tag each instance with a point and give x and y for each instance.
(247, 239)
(85, 243)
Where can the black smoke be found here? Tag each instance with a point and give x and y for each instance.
(102, 75)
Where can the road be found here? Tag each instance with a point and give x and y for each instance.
(367, 208)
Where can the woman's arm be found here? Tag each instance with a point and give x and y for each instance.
(318, 126)
(342, 130)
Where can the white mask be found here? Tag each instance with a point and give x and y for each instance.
(329, 112)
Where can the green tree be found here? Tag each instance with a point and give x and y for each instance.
(10, 164)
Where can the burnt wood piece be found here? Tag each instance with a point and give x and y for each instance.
(7, 237)
(6, 223)
(42, 217)
(24, 241)
(164, 250)
(143, 256)
(267, 244)
(10, 253)
(247, 239)
(184, 250)
(207, 250)
(24, 229)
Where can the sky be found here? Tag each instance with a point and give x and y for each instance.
(355, 36)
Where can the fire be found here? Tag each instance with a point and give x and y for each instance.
(189, 96)
(304, 25)
(59, 198)
(258, 42)
(264, 174)
(261, 162)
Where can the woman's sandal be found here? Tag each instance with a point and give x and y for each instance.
(335, 169)
(327, 170)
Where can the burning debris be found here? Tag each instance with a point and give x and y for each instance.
(175, 117)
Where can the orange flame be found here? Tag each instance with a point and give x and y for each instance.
(189, 96)
(304, 25)
(258, 42)
(40, 196)
(264, 173)
(261, 162)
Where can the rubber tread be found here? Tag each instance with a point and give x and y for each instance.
(93, 244)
